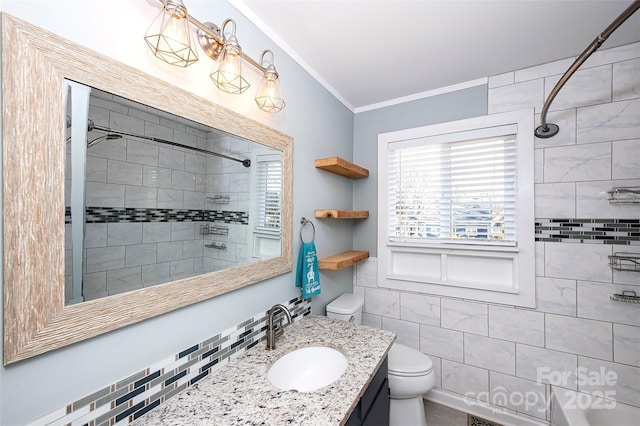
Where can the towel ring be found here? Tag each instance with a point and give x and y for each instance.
(304, 221)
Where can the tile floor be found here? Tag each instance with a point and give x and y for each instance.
(440, 415)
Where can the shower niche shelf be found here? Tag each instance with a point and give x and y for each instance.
(625, 262)
(620, 195)
(347, 169)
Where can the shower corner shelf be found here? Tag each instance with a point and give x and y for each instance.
(342, 167)
(621, 195)
(342, 260)
(341, 214)
(219, 199)
(625, 262)
(628, 296)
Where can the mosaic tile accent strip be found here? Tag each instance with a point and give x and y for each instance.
(130, 398)
(130, 215)
(594, 231)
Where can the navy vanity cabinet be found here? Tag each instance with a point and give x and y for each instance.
(373, 408)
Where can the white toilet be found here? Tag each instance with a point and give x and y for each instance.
(410, 371)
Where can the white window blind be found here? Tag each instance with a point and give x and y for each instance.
(269, 184)
(453, 190)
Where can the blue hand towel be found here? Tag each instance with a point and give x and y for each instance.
(307, 275)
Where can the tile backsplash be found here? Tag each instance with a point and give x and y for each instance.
(485, 351)
(126, 400)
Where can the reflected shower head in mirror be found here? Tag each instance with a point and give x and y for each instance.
(110, 136)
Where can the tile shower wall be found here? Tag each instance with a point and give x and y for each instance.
(487, 351)
(149, 204)
(133, 396)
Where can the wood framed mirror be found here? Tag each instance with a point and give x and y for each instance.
(35, 66)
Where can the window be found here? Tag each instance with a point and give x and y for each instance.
(456, 209)
(269, 184)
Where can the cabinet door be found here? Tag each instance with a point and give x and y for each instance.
(379, 412)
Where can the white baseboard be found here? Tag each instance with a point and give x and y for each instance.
(482, 409)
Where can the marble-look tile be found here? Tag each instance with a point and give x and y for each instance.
(104, 194)
(94, 285)
(544, 70)
(492, 354)
(168, 251)
(420, 308)
(193, 200)
(590, 86)
(592, 200)
(556, 296)
(443, 343)
(626, 158)
(181, 268)
(529, 94)
(239, 182)
(524, 396)
(156, 232)
(626, 84)
(121, 234)
(114, 150)
(171, 158)
(140, 254)
(193, 248)
(626, 344)
(218, 183)
(464, 316)
(156, 274)
(185, 181)
(143, 115)
(620, 379)
(473, 382)
(579, 336)
(123, 280)
(539, 258)
(501, 80)
(95, 235)
(613, 55)
(104, 259)
(185, 138)
(124, 173)
(555, 200)
(96, 170)
(126, 123)
(170, 198)
(158, 131)
(156, 177)
(371, 320)
(382, 302)
(516, 325)
(140, 197)
(142, 153)
(593, 261)
(594, 303)
(611, 121)
(407, 333)
(584, 162)
(546, 366)
(195, 163)
(367, 273)
(566, 121)
(538, 171)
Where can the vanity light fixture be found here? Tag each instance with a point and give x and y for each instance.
(169, 38)
(269, 97)
(228, 77)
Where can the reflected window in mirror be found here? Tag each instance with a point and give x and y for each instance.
(152, 198)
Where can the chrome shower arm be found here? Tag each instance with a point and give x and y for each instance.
(549, 130)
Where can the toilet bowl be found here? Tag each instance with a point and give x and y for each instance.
(410, 371)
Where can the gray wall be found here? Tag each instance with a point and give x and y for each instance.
(451, 106)
(321, 127)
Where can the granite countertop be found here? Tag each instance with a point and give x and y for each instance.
(240, 392)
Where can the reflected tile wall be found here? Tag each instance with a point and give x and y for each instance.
(487, 351)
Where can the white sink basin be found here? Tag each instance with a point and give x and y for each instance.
(307, 369)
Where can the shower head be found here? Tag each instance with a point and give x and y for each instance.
(110, 136)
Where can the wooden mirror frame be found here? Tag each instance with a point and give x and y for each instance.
(35, 64)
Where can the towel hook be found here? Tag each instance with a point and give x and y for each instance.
(304, 221)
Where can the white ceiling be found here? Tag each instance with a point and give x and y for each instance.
(369, 52)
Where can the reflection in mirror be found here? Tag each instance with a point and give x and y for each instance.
(152, 197)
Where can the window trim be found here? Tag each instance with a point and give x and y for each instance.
(514, 266)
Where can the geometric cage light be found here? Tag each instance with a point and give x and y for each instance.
(170, 39)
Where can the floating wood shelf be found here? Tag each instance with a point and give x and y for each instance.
(342, 167)
(342, 260)
(342, 214)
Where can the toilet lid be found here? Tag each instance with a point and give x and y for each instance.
(406, 361)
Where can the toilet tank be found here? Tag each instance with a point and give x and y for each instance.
(347, 307)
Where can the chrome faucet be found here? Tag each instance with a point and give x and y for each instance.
(274, 331)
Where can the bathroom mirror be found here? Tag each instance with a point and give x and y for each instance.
(38, 68)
